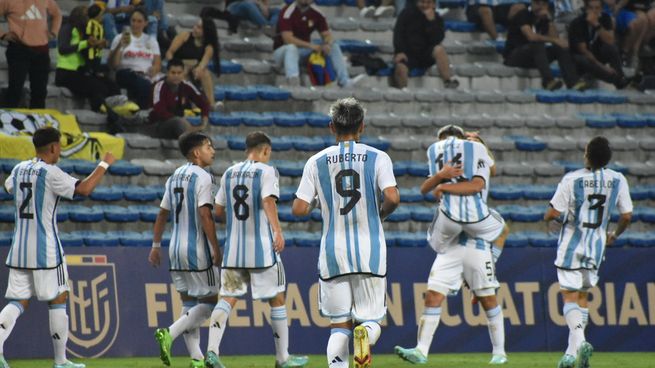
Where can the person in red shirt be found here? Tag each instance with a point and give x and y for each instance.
(296, 22)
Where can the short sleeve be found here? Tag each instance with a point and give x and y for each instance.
(154, 46)
(385, 177)
(270, 183)
(115, 42)
(284, 23)
(561, 199)
(321, 23)
(432, 161)
(204, 190)
(624, 202)
(9, 183)
(166, 201)
(221, 198)
(307, 188)
(61, 183)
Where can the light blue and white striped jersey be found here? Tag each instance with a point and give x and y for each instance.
(189, 188)
(348, 179)
(586, 199)
(37, 187)
(475, 161)
(249, 240)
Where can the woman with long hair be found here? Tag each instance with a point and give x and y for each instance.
(197, 48)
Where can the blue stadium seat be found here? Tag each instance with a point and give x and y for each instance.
(421, 213)
(157, 189)
(106, 194)
(72, 239)
(598, 121)
(146, 213)
(550, 97)
(285, 215)
(307, 144)
(285, 119)
(528, 144)
(236, 142)
(140, 194)
(507, 211)
(98, 239)
(316, 215)
(77, 213)
(289, 168)
(401, 214)
(379, 143)
(452, 4)
(646, 214)
(118, 213)
(356, 46)
(125, 168)
(229, 67)
(630, 120)
(539, 192)
(614, 216)
(649, 117)
(132, 238)
(7, 164)
(307, 239)
(68, 166)
(316, 119)
(254, 119)
(6, 238)
(328, 2)
(506, 192)
(411, 195)
(287, 193)
(83, 167)
(418, 168)
(237, 93)
(410, 240)
(517, 240)
(390, 238)
(641, 240)
(569, 165)
(461, 26)
(62, 214)
(400, 168)
(543, 240)
(194, 120)
(580, 98)
(610, 98)
(4, 196)
(271, 93)
(618, 167)
(281, 143)
(221, 119)
(640, 192)
(528, 214)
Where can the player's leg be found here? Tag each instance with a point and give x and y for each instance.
(369, 308)
(585, 350)
(495, 324)
(335, 303)
(192, 336)
(20, 288)
(570, 284)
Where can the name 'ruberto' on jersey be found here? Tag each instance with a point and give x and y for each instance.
(346, 157)
(595, 183)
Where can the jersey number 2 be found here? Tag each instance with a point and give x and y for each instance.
(597, 202)
(352, 192)
(26, 206)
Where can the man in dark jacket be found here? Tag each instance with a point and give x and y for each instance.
(417, 40)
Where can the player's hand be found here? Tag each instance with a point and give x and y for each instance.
(10, 37)
(109, 158)
(611, 238)
(449, 172)
(438, 192)
(315, 47)
(126, 38)
(326, 48)
(155, 257)
(197, 73)
(473, 136)
(278, 241)
(217, 257)
(400, 58)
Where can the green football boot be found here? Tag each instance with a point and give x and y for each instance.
(212, 361)
(293, 361)
(413, 355)
(567, 361)
(584, 353)
(165, 341)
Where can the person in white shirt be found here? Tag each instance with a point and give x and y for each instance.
(346, 180)
(136, 58)
(194, 254)
(37, 266)
(585, 199)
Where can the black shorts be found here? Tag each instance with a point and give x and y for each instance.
(423, 59)
(500, 13)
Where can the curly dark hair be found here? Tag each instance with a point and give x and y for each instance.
(599, 152)
(78, 17)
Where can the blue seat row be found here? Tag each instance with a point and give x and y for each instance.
(281, 119)
(576, 97)
(301, 143)
(115, 193)
(546, 192)
(82, 167)
(250, 93)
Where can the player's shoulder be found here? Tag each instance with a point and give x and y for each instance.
(202, 173)
(379, 154)
(288, 11)
(574, 175)
(616, 174)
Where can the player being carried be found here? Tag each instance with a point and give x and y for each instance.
(461, 234)
(247, 201)
(194, 254)
(346, 180)
(586, 198)
(37, 266)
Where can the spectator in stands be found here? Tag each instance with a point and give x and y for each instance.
(135, 56)
(486, 14)
(292, 43)
(27, 50)
(216, 13)
(591, 38)
(529, 31)
(255, 11)
(157, 21)
(71, 64)
(117, 16)
(417, 38)
(196, 49)
(632, 23)
(376, 8)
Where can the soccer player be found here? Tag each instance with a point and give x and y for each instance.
(37, 266)
(346, 180)
(193, 252)
(464, 258)
(586, 198)
(247, 201)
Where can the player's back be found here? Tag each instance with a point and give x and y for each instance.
(349, 178)
(474, 161)
(249, 241)
(37, 188)
(587, 199)
(188, 189)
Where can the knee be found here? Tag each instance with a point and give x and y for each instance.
(401, 69)
(488, 302)
(291, 51)
(433, 298)
(438, 50)
(485, 12)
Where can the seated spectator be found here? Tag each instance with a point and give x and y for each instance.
(376, 8)
(529, 31)
(591, 38)
(417, 38)
(71, 62)
(216, 13)
(486, 14)
(171, 96)
(292, 43)
(632, 24)
(196, 49)
(135, 56)
(157, 21)
(255, 11)
(116, 16)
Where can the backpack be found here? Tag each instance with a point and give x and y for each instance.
(320, 70)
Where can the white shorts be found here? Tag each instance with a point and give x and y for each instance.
(577, 280)
(46, 285)
(353, 297)
(197, 284)
(265, 283)
(444, 231)
(459, 263)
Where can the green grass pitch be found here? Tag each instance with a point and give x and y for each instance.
(531, 360)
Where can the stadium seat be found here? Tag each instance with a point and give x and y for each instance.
(419, 169)
(285, 215)
(68, 166)
(288, 168)
(640, 192)
(155, 167)
(528, 144)
(517, 240)
(287, 193)
(401, 214)
(139, 141)
(630, 120)
(6, 237)
(598, 121)
(140, 194)
(539, 192)
(221, 119)
(77, 213)
(410, 240)
(284, 119)
(125, 168)
(375, 142)
(271, 93)
(71, 239)
(131, 238)
(316, 119)
(307, 144)
(146, 213)
(411, 195)
(254, 119)
(543, 240)
(118, 213)
(306, 239)
(281, 143)
(97, 239)
(7, 164)
(646, 214)
(421, 213)
(400, 168)
(106, 194)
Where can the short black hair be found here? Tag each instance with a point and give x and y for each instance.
(44, 136)
(175, 62)
(189, 141)
(347, 115)
(599, 152)
(93, 10)
(451, 130)
(256, 139)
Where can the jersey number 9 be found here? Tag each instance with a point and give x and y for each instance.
(351, 191)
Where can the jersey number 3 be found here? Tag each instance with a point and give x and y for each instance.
(596, 202)
(351, 191)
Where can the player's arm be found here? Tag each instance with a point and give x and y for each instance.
(390, 202)
(306, 199)
(219, 212)
(475, 137)
(301, 207)
(446, 173)
(625, 208)
(86, 186)
(270, 208)
(158, 231)
(209, 227)
(469, 187)
(551, 214)
(624, 221)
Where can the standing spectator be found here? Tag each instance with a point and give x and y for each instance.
(376, 8)
(27, 51)
(196, 49)
(529, 31)
(292, 43)
(256, 11)
(632, 23)
(71, 64)
(591, 37)
(486, 14)
(117, 14)
(417, 40)
(135, 56)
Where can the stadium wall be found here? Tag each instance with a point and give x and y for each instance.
(117, 301)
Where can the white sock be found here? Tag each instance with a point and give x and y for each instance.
(585, 318)
(59, 331)
(426, 329)
(573, 316)
(8, 317)
(192, 336)
(218, 325)
(191, 320)
(338, 348)
(280, 333)
(496, 325)
(374, 331)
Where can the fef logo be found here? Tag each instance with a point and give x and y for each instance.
(93, 305)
